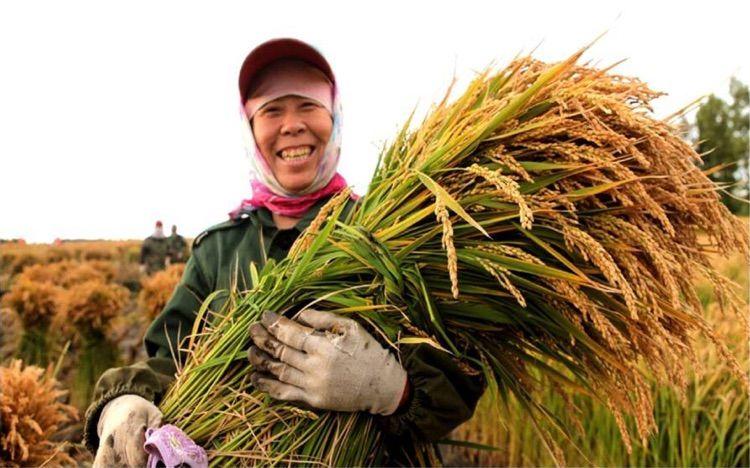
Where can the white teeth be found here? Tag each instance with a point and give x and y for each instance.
(295, 153)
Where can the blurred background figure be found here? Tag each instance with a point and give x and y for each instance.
(177, 247)
(154, 251)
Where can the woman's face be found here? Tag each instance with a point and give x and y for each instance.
(292, 133)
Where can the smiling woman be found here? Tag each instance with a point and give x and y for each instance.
(291, 120)
(291, 132)
(291, 124)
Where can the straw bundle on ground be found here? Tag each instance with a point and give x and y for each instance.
(542, 228)
(72, 295)
(31, 413)
(158, 288)
(36, 304)
(87, 311)
(68, 273)
(91, 305)
(12, 331)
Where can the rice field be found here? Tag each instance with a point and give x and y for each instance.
(542, 227)
(47, 288)
(708, 426)
(68, 312)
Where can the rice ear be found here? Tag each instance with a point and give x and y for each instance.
(563, 249)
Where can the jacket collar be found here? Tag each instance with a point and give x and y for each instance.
(265, 217)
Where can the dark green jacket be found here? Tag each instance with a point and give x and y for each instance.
(176, 248)
(154, 251)
(442, 395)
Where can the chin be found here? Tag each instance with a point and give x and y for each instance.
(296, 185)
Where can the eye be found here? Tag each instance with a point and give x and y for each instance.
(310, 105)
(270, 110)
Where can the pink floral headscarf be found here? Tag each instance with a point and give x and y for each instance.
(267, 191)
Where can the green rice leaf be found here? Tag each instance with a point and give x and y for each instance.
(451, 203)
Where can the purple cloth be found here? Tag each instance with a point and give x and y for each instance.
(170, 446)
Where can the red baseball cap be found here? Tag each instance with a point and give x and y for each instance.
(276, 49)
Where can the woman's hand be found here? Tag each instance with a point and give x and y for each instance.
(326, 361)
(122, 427)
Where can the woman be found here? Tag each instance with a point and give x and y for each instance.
(292, 120)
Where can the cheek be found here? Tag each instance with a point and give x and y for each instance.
(264, 140)
(323, 130)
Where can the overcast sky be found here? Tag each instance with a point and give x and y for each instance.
(113, 115)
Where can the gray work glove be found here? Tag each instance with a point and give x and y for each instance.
(121, 428)
(332, 363)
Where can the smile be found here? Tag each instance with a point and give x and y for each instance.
(295, 153)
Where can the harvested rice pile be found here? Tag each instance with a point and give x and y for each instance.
(93, 304)
(158, 288)
(35, 302)
(12, 331)
(31, 413)
(542, 228)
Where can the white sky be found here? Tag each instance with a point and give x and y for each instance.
(113, 115)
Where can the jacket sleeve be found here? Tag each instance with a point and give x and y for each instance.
(442, 395)
(151, 378)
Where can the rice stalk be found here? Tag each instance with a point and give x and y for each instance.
(542, 228)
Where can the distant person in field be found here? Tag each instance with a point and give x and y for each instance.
(177, 247)
(154, 251)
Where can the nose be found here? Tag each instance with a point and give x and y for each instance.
(292, 125)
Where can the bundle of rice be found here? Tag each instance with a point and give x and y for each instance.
(41, 290)
(5, 283)
(91, 305)
(81, 272)
(36, 304)
(89, 308)
(66, 273)
(31, 413)
(98, 252)
(106, 268)
(128, 275)
(44, 273)
(58, 254)
(158, 288)
(542, 228)
(10, 338)
(23, 259)
(716, 402)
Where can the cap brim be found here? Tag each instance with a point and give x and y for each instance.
(276, 49)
